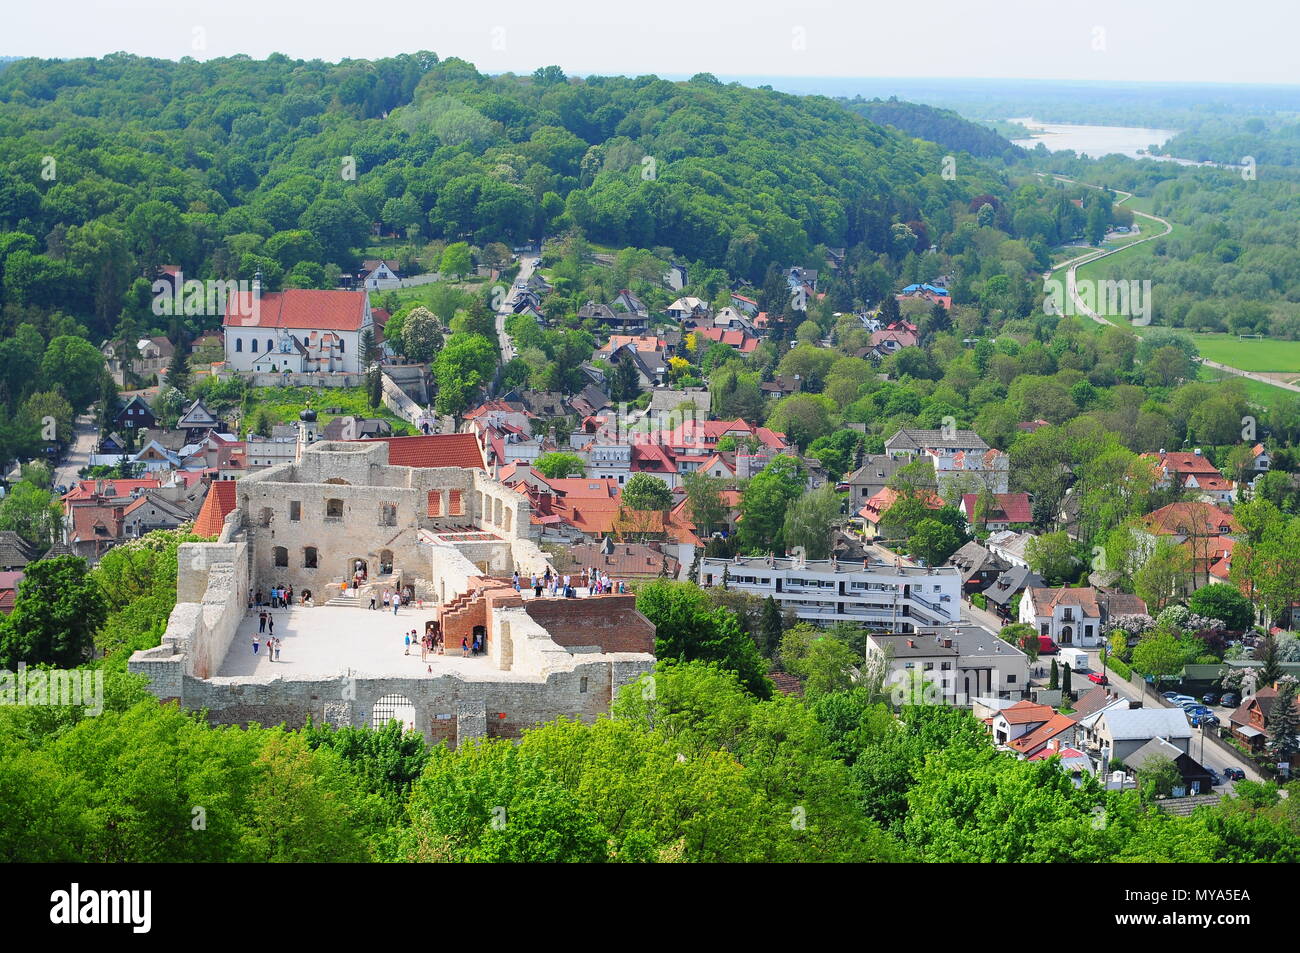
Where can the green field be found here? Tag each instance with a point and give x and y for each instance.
(1259, 393)
(1249, 354)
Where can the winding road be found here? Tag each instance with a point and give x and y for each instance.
(1071, 266)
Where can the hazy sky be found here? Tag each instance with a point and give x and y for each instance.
(1121, 40)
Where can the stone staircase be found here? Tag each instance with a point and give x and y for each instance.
(351, 598)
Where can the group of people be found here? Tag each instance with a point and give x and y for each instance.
(272, 644)
(281, 597)
(396, 598)
(431, 643)
(595, 581)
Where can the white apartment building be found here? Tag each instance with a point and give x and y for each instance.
(962, 663)
(872, 595)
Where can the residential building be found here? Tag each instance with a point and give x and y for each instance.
(1119, 732)
(873, 476)
(1004, 510)
(873, 511)
(1249, 722)
(1007, 586)
(872, 595)
(1010, 545)
(1194, 473)
(1076, 616)
(962, 663)
(133, 414)
(978, 567)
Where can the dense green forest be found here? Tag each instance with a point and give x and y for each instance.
(936, 125)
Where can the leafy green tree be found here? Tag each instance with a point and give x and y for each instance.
(1222, 601)
(765, 500)
(933, 542)
(1023, 636)
(771, 627)
(644, 492)
(704, 496)
(810, 521)
(821, 661)
(1052, 556)
(55, 616)
(73, 365)
(421, 336)
(456, 259)
(1159, 654)
(463, 366)
(561, 465)
(688, 628)
(1163, 575)
(32, 513)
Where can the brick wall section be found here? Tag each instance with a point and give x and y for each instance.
(459, 617)
(611, 622)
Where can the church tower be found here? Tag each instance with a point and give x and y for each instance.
(306, 430)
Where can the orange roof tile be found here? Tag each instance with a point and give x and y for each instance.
(219, 503)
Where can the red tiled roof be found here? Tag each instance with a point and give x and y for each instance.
(302, 308)
(1009, 507)
(737, 339)
(1026, 713)
(219, 503)
(1180, 462)
(1042, 734)
(433, 450)
(1194, 519)
(87, 489)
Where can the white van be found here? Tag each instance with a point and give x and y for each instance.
(1077, 659)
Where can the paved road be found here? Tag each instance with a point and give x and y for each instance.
(1071, 266)
(78, 455)
(985, 620)
(1253, 376)
(527, 265)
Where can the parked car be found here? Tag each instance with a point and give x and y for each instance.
(1098, 678)
(1196, 708)
(1168, 696)
(1205, 720)
(1230, 700)
(1234, 774)
(1210, 698)
(1215, 778)
(1183, 700)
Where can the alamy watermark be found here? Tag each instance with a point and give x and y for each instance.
(211, 297)
(76, 688)
(1131, 298)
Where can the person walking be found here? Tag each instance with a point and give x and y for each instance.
(372, 602)
(255, 644)
(387, 598)
(464, 647)
(397, 601)
(261, 621)
(515, 579)
(407, 640)
(270, 625)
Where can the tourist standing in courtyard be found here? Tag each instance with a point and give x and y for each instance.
(277, 650)
(261, 621)
(255, 644)
(397, 602)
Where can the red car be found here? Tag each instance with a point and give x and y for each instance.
(1098, 678)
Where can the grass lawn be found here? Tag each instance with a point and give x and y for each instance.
(284, 403)
(1257, 392)
(1250, 354)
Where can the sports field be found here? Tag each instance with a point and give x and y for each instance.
(1250, 354)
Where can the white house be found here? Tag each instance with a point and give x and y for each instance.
(1075, 616)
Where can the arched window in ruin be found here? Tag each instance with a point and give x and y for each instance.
(309, 557)
(393, 708)
(509, 514)
(281, 556)
(385, 562)
(264, 516)
(334, 509)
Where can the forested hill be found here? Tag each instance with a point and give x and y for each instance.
(943, 126)
(213, 165)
